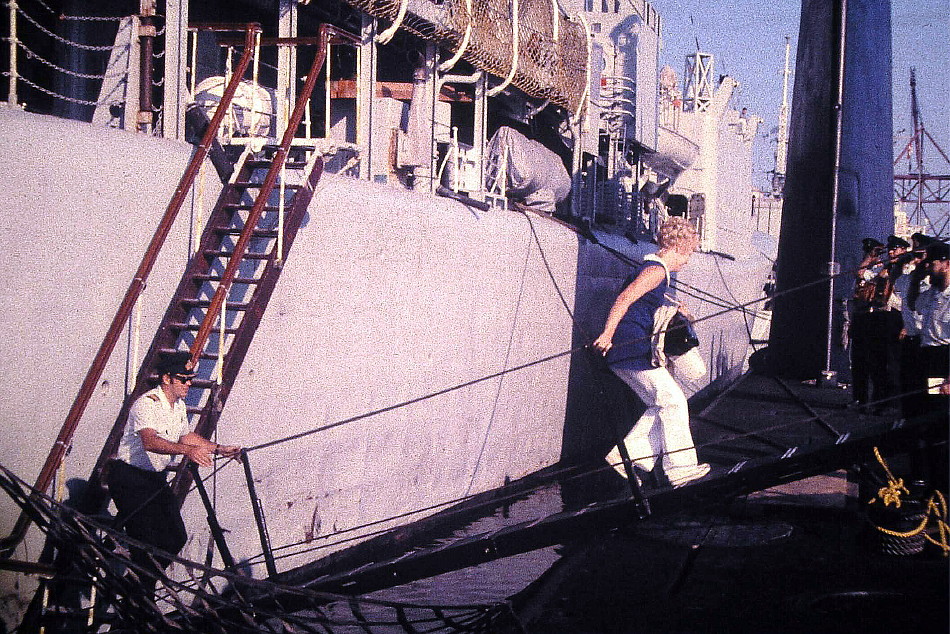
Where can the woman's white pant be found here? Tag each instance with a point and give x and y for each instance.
(663, 430)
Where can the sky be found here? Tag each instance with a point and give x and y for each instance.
(748, 43)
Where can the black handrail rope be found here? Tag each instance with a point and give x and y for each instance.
(511, 338)
(551, 357)
(493, 375)
(521, 494)
(745, 314)
(412, 401)
(30, 495)
(496, 500)
(679, 285)
(475, 381)
(557, 287)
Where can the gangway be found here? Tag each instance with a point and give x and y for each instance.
(763, 432)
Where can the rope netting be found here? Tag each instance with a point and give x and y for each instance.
(92, 555)
(547, 67)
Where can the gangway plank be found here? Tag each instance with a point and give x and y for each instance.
(591, 497)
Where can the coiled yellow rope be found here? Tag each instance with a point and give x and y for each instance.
(890, 494)
(936, 509)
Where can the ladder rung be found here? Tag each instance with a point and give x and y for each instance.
(217, 278)
(201, 384)
(211, 253)
(203, 355)
(257, 233)
(180, 326)
(204, 303)
(270, 150)
(246, 207)
(296, 165)
(251, 185)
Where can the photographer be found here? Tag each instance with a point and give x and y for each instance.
(875, 327)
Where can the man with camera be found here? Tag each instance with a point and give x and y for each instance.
(875, 328)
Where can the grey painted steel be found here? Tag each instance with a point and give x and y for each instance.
(389, 295)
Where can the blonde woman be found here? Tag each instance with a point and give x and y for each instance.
(663, 430)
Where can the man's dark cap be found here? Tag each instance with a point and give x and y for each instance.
(175, 363)
(896, 242)
(937, 250)
(869, 244)
(921, 240)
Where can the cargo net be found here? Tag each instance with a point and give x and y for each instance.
(548, 67)
(98, 586)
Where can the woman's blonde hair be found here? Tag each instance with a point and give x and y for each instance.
(677, 234)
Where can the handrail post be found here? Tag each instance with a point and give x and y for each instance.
(86, 390)
(147, 34)
(11, 93)
(259, 517)
(217, 533)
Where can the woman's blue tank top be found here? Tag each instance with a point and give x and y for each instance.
(632, 348)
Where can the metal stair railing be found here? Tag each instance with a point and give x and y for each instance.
(199, 270)
(63, 440)
(327, 34)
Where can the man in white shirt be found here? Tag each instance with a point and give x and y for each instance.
(907, 288)
(934, 308)
(157, 431)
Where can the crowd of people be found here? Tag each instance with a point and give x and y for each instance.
(900, 325)
(900, 338)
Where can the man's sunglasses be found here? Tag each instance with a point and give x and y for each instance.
(183, 378)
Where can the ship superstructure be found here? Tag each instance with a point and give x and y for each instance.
(411, 217)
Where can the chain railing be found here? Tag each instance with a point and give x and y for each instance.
(35, 48)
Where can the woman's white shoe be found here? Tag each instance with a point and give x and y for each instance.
(678, 476)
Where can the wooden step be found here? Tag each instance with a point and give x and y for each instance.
(253, 185)
(217, 278)
(194, 327)
(203, 355)
(211, 253)
(204, 303)
(265, 164)
(235, 231)
(244, 207)
(269, 150)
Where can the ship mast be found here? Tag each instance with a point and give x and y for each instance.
(917, 186)
(781, 147)
(918, 141)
